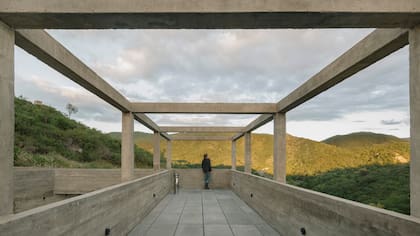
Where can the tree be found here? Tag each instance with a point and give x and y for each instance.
(71, 109)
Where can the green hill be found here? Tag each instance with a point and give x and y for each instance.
(360, 139)
(46, 137)
(304, 156)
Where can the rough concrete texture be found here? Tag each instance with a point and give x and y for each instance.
(279, 147)
(248, 158)
(119, 207)
(206, 108)
(233, 150)
(255, 124)
(7, 117)
(288, 209)
(156, 151)
(127, 146)
(194, 178)
(415, 121)
(179, 14)
(80, 181)
(32, 187)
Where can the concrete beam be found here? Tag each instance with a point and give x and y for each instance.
(127, 147)
(198, 129)
(146, 121)
(44, 47)
(180, 14)
(371, 49)
(415, 122)
(156, 151)
(260, 121)
(7, 117)
(204, 108)
(279, 148)
(199, 138)
(248, 159)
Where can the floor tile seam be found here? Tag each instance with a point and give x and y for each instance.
(179, 219)
(154, 220)
(227, 221)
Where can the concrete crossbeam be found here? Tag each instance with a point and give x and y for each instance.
(127, 146)
(415, 122)
(146, 121)
(371, 49)
(7, 118)
(177, 14)
(41, 45)
(204, 108)
(260, 121)
(198, 129)
(199, 138)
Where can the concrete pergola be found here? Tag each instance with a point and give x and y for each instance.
(22, 23)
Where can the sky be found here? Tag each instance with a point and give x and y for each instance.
(224, 66)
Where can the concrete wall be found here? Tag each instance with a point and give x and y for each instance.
(32, 187)
(288, 209)
(194, 178)
(80, 181)
(119, 207)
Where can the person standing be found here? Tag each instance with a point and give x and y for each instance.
(206, 166)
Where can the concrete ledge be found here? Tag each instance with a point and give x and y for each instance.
(288, 209)
(119, 207)
(80, 181)
(194, 178)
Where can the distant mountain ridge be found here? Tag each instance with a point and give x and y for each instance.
(304, 156)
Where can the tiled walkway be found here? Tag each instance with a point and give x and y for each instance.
(203, 212)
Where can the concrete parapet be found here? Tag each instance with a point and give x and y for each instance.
(291, 209)
(194, 178)
(119, 208)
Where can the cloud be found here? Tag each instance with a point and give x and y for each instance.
(391, 122)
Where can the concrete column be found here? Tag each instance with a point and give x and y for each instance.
(127, 147)
(248, 161)
(169, 155)
(156, 151)
(7, 118)
(414, 39)
(233, 155)
(279, 148)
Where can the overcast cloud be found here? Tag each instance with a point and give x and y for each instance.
(225, 66)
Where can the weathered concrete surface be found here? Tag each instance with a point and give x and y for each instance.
(119, 207)
(194, 178)
(199, 129)
(80, 181)
(415, 121)
(369, 50)
(288, 209)
(248, 158)
(168, 154)
(149, 123)
(209, 14)
(233, 150)
(7, 117)
(32, 187)
(279, 148)
(255, 124)
(127, 146)
(206, 108)
(48, 50)
(180, 137)
(156, 151)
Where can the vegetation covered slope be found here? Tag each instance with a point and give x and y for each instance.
(46, 137)
(304, 156)
(360, 139)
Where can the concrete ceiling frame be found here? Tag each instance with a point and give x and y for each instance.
(230, 14)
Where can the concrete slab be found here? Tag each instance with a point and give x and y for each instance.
(203, 212)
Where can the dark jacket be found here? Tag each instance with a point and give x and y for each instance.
(206, 165)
